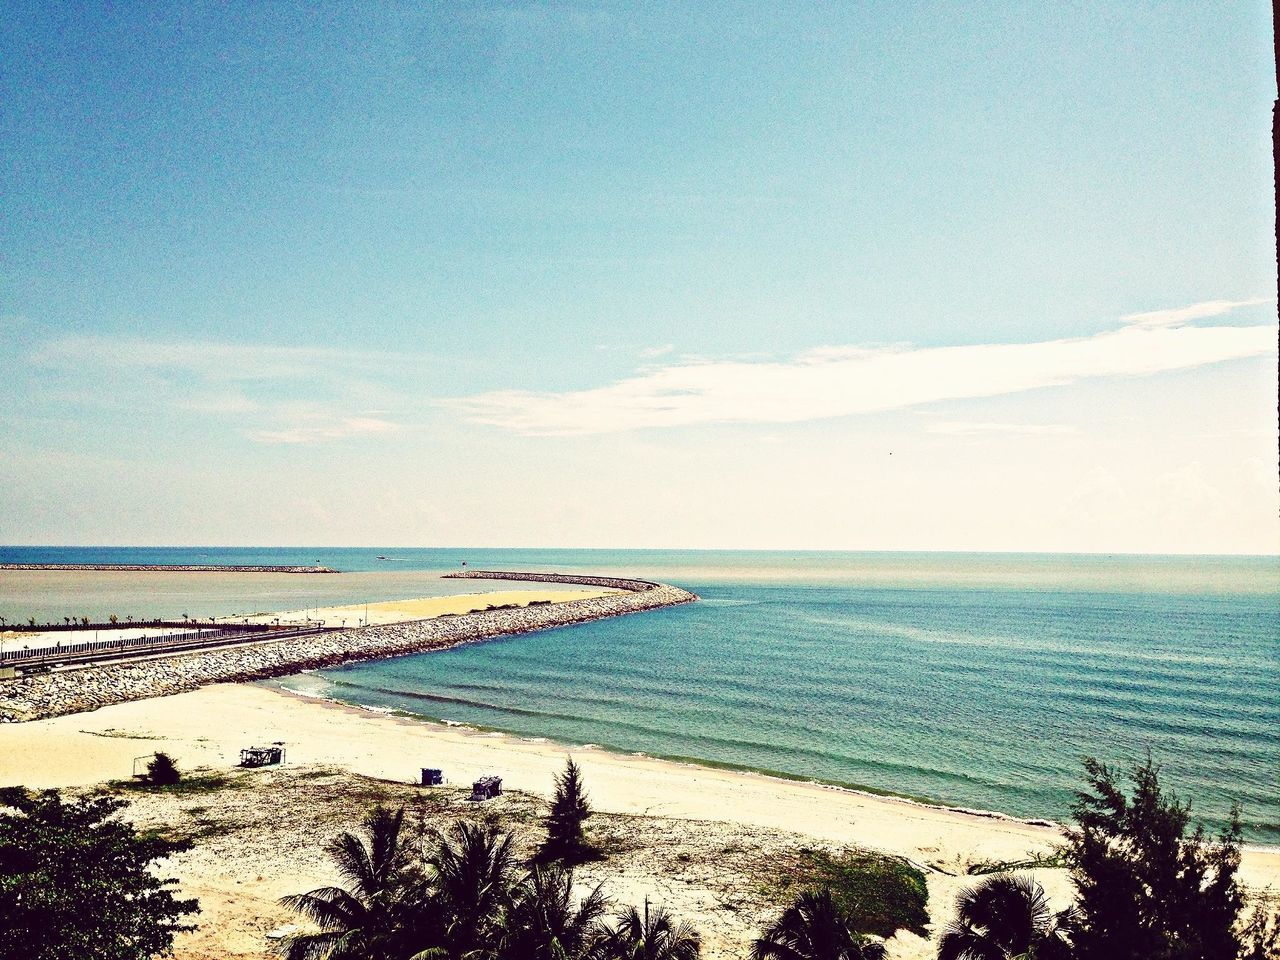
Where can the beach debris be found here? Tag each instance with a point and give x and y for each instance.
(432, 777)
(262, 756)
(486, 788)
(279, 933)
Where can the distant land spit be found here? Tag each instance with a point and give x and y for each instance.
(166, 567)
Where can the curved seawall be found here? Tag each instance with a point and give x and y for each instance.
(74, 691)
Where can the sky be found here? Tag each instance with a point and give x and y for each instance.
(865, 276)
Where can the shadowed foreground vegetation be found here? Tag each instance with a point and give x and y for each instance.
(77, 882)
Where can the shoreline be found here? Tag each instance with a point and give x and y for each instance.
(91, 748)
(694, 763)
(702, 763)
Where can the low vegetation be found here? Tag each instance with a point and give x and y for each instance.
(417, 883)
(877, 893)
(76, 882)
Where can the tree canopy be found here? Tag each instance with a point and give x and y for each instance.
(1146, 888)
(76, 882)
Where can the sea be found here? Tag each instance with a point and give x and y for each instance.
(970, 680)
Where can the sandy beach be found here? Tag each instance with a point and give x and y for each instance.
(208, 727)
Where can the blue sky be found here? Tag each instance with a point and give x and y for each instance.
(481, 274)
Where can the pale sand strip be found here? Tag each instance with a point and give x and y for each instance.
(385, 612)
(208, 727)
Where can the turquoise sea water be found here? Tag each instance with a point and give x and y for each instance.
(977, 680)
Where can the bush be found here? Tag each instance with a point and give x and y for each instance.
(162, 771)
(76, 882)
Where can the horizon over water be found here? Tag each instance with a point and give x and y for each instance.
(976, 680)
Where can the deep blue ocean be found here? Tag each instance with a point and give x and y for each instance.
(979, 680)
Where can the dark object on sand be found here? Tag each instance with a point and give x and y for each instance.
(262, 756)
(431, 777)
(486, 788)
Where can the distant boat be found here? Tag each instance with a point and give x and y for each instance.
(382, 558)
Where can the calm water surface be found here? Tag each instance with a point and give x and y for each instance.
(979, 680)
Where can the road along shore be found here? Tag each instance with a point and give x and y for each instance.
(53, 694)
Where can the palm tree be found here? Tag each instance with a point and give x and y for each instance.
(544, 923)
(1005, 917)
(655, 936)
(461, 907)
(362, 921)
(814, 928)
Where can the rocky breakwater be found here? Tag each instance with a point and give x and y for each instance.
(74, 691)
(581, 579)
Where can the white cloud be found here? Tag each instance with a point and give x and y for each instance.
(842, 381)
(323, 431)
(651, 352)
(1196, 311)
(213, 360)
(959, 428)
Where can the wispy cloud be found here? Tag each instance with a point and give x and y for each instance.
(651, 352)
(1196, 311)
(961, 428)
(266, 393)
(845, 380)
(213, 360)
(319, 432)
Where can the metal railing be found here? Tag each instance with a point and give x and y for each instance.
(90, 650)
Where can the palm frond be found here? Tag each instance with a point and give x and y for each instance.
(327, 907)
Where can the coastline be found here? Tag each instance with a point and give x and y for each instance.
(205, 729)
(353, 756)
(700, 763)
(88, 748)
(44, 695)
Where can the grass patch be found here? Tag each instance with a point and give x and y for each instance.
(202, 828)
(881, 894)
(193, 783)
(315, 774)
(981, 868)
(114, 734)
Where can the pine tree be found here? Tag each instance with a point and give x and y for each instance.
(566, 839)
(1148, 889)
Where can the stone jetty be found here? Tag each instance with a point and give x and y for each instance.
(166, 567)
(75, 691)
(609, 583)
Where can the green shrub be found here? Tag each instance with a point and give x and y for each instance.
(162, 771)
(77, 881)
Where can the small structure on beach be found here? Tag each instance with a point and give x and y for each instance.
(431, 777)
(262, 756)
(486, 788)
